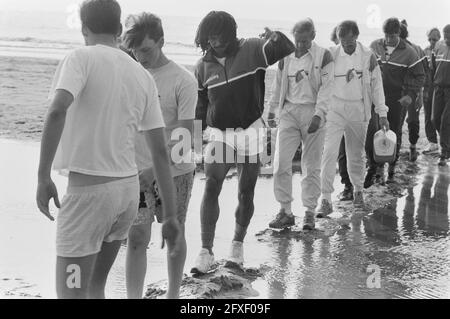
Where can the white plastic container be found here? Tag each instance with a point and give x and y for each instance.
(384, 147)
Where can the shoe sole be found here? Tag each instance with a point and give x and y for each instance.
(195, 271)
(233, 265)
(282, 227)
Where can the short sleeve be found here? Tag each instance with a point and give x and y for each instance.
(152, 116)
(187, 97)
(71, 74)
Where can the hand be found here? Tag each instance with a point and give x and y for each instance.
(271, 120)
(406, 101)
(315, 124)
(171, 233)
(146, 179)
(269, 35)
(384, 123)
(46, 191)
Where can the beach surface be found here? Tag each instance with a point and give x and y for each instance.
(404, 232)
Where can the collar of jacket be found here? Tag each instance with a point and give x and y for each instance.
(209, 56)
(401, 45)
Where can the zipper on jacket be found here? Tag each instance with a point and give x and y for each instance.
(225, 70)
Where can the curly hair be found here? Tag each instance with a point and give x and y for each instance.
(216, 23)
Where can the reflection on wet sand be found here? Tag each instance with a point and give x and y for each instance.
(407, 239)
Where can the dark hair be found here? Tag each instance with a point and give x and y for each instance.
(404, 34)
(333, 35)
(347, 26)
(391, 26)
(446, 28)
(101, 16)
(434, 30)
(216, 23)
(140, 26)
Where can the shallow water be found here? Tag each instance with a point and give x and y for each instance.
(408, 240)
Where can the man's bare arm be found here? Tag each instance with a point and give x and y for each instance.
(53, 128)
(156, 141)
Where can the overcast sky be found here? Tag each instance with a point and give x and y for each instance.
(417, 12)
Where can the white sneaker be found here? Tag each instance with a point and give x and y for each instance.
(432, 148)
(203, 263)
(237, 253)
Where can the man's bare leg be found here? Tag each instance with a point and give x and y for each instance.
(136, 264)
(248, 173)
(103, 264)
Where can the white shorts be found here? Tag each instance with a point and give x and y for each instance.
(92, 215)
(246, 143)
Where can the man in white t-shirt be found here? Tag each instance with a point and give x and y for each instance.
(178, 97)
(101, 99)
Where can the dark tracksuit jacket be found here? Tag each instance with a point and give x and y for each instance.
(414, 109)
(441, 103)
(403, 74)
(232, 96)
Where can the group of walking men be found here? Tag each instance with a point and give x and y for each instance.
(110, 117)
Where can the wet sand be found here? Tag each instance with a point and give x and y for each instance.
(406, 236)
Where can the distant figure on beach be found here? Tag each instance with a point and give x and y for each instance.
(434, 36)
(301, 93)
(357, 86)
(413, 110)
(334, 37)
(231, 91)
(403, 78)
(441, 104)
(178, 96)
(101, 98)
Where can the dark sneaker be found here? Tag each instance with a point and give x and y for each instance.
(309, 221)
(379, 179)
(413, 154)
(347, 194)
(325, 210)
(282, 220)
(443, 161)
(359, 200)
(432, 148)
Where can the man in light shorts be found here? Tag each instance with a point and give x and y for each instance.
(178, 97)
(101, 98)
(231, 102)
